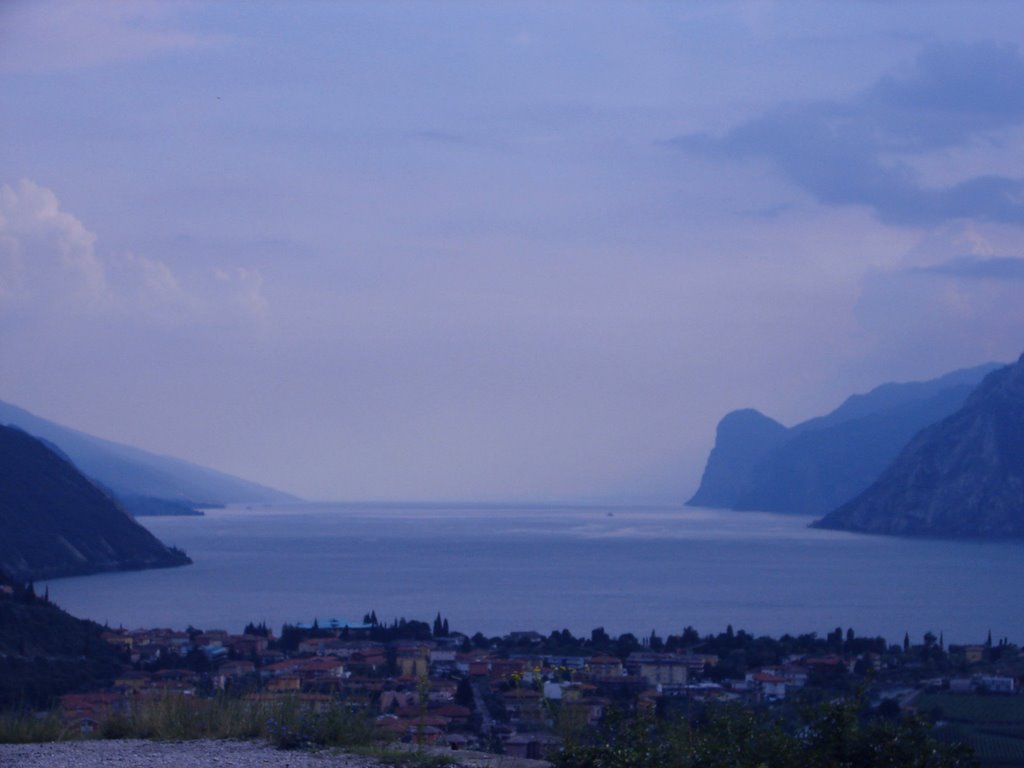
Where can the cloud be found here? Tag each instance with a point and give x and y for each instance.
(952, 298)
(67, 34)
(49, 265)
(862, 151)
(46, 255)
(920, 320)
(959, 90)
(1003, 268)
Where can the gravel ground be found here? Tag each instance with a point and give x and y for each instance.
(169, 754)
(195, 754)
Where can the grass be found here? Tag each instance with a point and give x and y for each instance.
(30, 727)
(286, 723)
(183, 718)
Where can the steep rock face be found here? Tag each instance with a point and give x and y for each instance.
(816, 470)
(741, 440)
(963, 476)
(817, 465)
(54, 521)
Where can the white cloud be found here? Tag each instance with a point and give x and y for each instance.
(49, 265)
(47, 256)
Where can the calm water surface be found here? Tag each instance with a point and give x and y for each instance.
(502, 568)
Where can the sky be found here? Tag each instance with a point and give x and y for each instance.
(497, 250)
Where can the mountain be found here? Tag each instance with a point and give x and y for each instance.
(813, 467)
(141, 479)
(963, 476)
(742, 439)
(57, 522)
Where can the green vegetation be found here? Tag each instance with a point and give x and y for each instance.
(180, 718)
(992, 725)
(44, 652)
(972, 709)
(28, 728)
(285, 723)
(833, 735)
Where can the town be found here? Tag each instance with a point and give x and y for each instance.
(526, 694)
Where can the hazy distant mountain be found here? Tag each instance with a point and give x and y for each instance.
(813, 467)
(54, 521)
(963, 476)
(138, 477)
(742, 439)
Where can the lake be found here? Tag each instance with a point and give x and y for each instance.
(497, 568)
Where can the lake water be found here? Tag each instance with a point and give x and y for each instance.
(503, 568)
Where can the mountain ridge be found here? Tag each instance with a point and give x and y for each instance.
(962, 476)
(58, 522)
(135, 474)
(816, 465)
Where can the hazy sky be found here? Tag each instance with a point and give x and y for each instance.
(513, 250)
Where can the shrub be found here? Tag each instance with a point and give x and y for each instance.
(29, 727)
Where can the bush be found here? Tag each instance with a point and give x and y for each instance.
(832, 735)
(289, 725)
(30, 727)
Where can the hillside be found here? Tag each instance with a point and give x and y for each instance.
(813, 467)
(136, 477)
(963, 476)
(56, 522)
(45, 652)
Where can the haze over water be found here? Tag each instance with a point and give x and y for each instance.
(500, 568)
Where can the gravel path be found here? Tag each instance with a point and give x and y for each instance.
(199, 754)
(168, 754)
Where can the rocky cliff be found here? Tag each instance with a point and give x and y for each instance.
(963, 476)
(743, 438)
(813, 467)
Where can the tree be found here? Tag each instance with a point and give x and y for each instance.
(654, 642)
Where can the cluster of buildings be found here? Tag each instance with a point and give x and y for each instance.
(513, 697)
